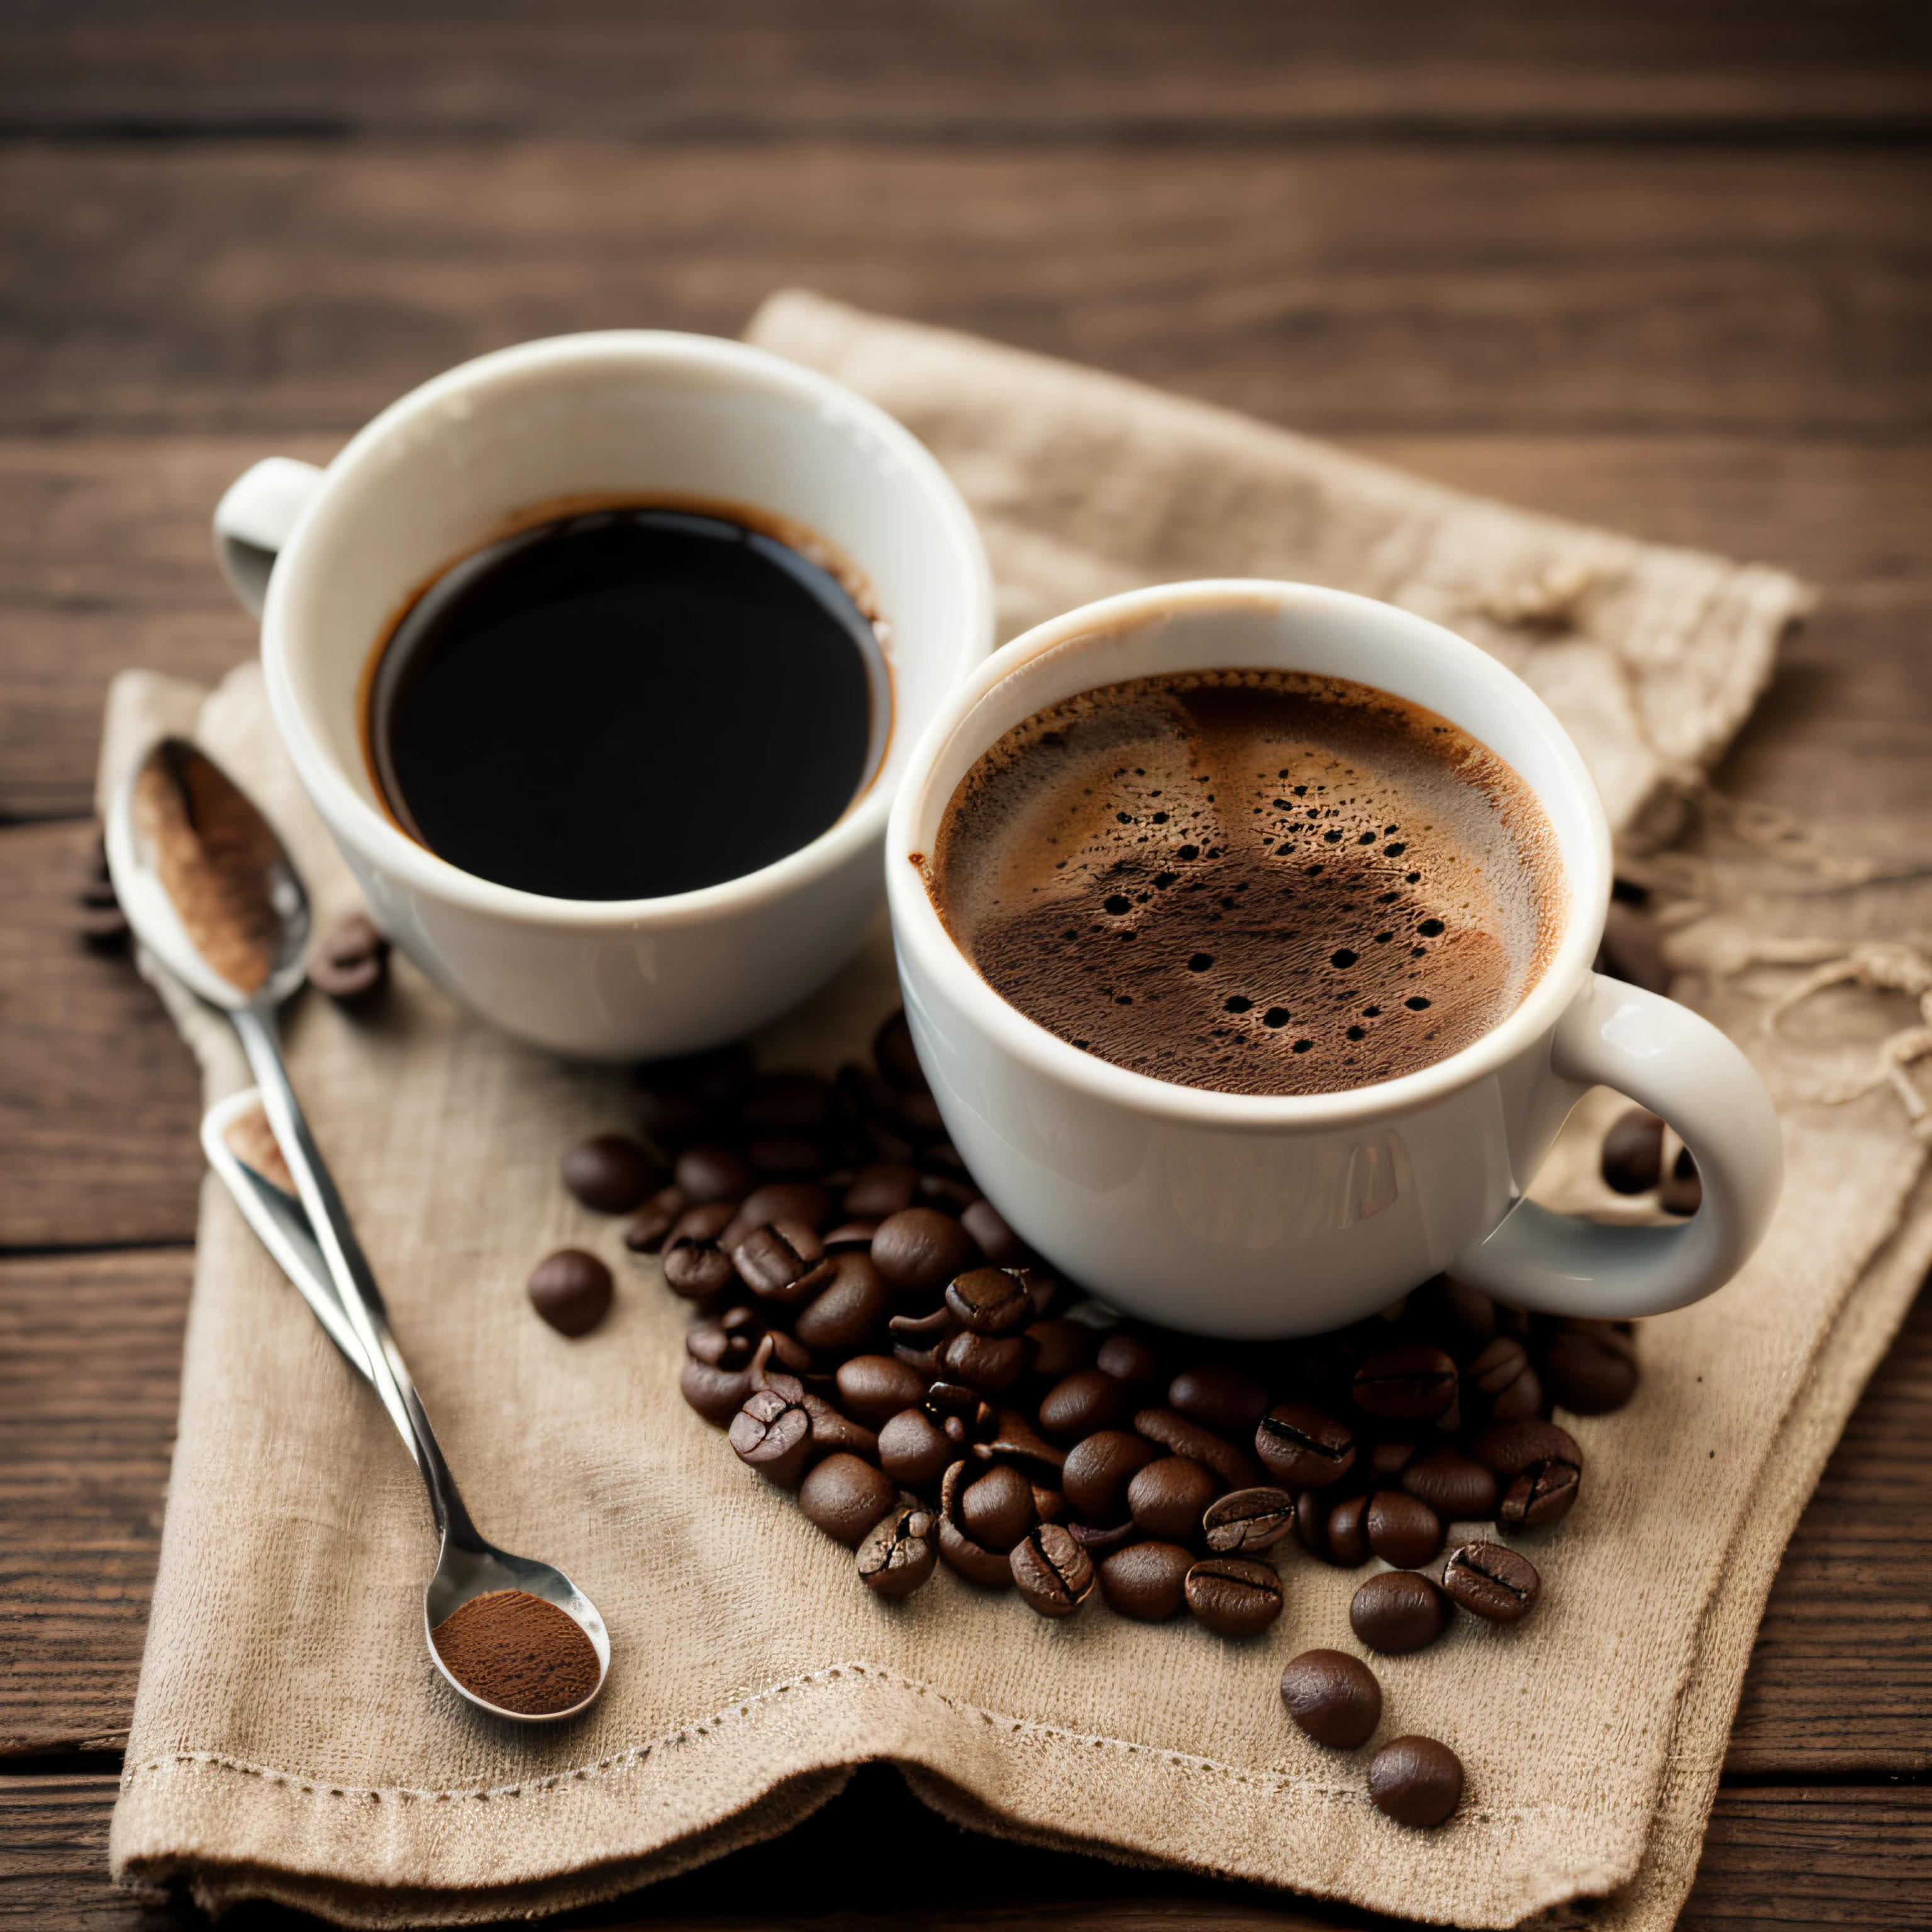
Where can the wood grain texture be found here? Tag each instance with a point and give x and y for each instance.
(967, 69)
(298, 286)
(90, 1356)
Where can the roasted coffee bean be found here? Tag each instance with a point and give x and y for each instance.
(847, 1311)
(1054, 1574)
(1222, 1400)
(991, 1569)
(989, 1363)
(1234, 1596)
(1128, 1359)
(694, 1265)
(997, 1509)
(716, 1393)
(709, 1172)
(651, 1229)
(959, 1398)
(1167, 1498)
(898, 1060)
(1401, 1529)
(780, 1354)
(844, 1495)
(914, 1450)
(874, 1388)
(772, 1433)
(1177, 1434)
(995, 1239)
(1147, 1581)
(1247, 1520)
(1539, 1467)
(1415, 1781)
(919, 1248)
(1302, 1447)
(782, 1202)
(1332, 1696)
(1502, 1373)
(1681, 1191)
(786, 1103)
(885, 1187)
(781, 1261)
(1311, 1523)
(1346, 1532)
(571, 1290)
(1414, 1383)
(352, 964)
(669, 1117)
(899, 1551)
(1097, 1472)
(850, 1234)
(1397, 1612)
(1472, 1311)
(1387, 1460)
(785, 1157)
(1590, 1371)
(1079, 1404)
(1456, 1486)
(1494, 1582)
(951, 1193)
(991, 1301)
(1633, 948)
(1014, 1438)
(916, 1116)
(709, 1342)
(1061, 1347)
(1633, 1161)
(1097, 1542)
(612, 1174)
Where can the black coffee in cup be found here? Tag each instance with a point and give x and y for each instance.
(1258, 882)
(628, 702)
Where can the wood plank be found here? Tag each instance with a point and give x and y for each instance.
(99, 1098)
(962, 68)
(297, 286)
(90, 1356)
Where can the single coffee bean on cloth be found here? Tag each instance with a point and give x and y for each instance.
(752, 1659)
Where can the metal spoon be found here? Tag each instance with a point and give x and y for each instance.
(208, 889)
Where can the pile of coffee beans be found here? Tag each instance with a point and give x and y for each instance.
(871, 1335)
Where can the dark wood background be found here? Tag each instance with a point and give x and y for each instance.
(1666, 266)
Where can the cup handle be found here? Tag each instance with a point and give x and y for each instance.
(1666, 1058)
(253, 521)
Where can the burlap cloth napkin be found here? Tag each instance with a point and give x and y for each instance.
(291, 1740)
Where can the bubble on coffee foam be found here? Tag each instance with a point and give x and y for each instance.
(1254, 881)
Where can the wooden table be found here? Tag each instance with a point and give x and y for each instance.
(1667, 265)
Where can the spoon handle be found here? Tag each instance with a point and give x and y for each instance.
(348, 1270)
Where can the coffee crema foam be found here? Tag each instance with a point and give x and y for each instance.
(1254, 881)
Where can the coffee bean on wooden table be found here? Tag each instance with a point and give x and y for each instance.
(772, 1434)
(1079, 1404)
(1096, 1473)
(352, 963)
(1167, 1498)
(1180, 1436)
(993, 1238)
(920, 1249)
(1453, 1483)
(990, 1301)
(1147, 1581)
(1414, 1383)
(1332, 1696)
(716, 1393)
(571, 1290)
(785, 1103)
(783, 1202)
(1495, 1583)
(1416, 1780)
(1402, 1529)
(1304, 1448)
(1054, 1574)
(1590, 1370)
(845, 1496)
(1222, 1400)
(1501, 1374)
(1245, 1520)
(611, 1173)
(1632, 1157)
(651, 1228)
(1398, 1612)
(668, 1115)
(1234, 1596)
(874, 1388)
(1538, 1466)
(898, 1553)
(782, 1261)
(694, 1265)
(709, 1172)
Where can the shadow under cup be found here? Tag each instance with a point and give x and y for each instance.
(642, 417)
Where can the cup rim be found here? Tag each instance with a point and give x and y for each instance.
(357, 822)
(918, 929)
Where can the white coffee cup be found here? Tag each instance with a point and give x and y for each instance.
(637, 414)
(1257, 1216)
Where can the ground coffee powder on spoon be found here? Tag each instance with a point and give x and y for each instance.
(518, 1652)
